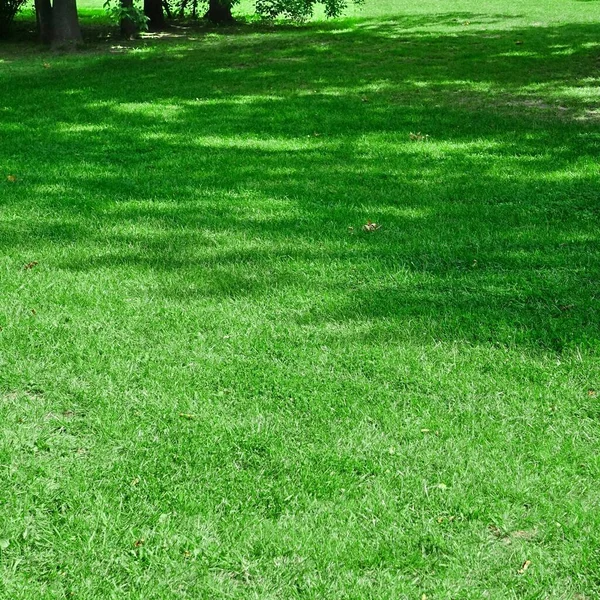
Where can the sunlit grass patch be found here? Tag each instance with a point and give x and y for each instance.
(304, 312)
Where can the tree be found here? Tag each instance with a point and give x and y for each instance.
(43, 15)
(65, 24)
(219, 12)
(58, 23)
(128, 25)
(153, 9)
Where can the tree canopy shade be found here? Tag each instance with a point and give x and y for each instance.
(58, 24)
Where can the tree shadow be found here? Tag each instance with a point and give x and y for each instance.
(274, 144)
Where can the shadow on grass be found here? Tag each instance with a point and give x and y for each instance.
(233, 165)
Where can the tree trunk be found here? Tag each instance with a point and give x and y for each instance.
(128, 28)
(218, 12)
(43, 16)
(66, 30)
(153, 9)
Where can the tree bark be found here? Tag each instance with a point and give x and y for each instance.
(128, 28)
(219, 13)
(43, 17)
(153, 9)
(66, 31)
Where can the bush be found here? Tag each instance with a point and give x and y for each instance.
(8, 10)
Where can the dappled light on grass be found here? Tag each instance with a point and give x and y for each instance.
(286, 312)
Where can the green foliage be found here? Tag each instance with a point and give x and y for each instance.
(117, 12)
(8, 10)
(299, 10)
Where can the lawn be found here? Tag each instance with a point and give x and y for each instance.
(215, 384)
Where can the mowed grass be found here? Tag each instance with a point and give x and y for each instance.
(215, 384)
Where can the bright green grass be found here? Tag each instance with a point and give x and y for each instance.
(208, 359)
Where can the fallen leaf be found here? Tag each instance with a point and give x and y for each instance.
(138, 543)
(11, 178)
(369, 226)
(524, 567)
(592, 393)
(30, 265)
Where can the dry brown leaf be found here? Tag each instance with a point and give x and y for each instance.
(592, 393)
(30, 265)
(369, 226)
(524, 568)
(11, 178)
(139, 543)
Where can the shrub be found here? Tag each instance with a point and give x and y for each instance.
(8, 10)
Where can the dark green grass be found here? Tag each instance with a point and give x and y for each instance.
(214, 384)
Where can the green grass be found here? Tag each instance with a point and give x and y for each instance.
(211, 355)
